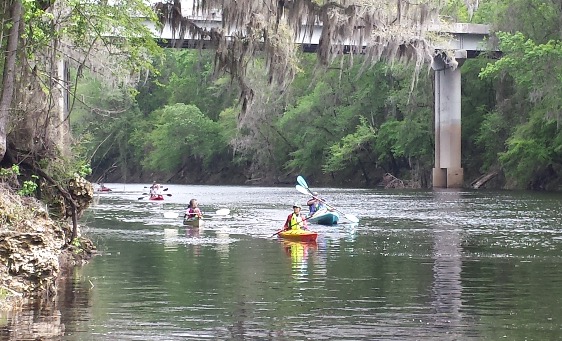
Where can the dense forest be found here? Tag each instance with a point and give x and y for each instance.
(343, 124)
(342, 120)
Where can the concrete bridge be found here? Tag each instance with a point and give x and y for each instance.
(466, 41)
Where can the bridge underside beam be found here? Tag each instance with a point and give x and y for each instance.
(204, 44)
(448, 172)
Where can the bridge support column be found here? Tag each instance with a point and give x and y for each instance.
(448, 172)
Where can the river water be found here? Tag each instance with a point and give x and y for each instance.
(419, 265)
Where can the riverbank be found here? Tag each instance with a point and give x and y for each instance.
(34, 249)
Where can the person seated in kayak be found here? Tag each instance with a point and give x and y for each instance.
(155, 189)
(315, 204)
(296, 220)
(193, 210)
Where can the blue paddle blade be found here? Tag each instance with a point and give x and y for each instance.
(303, 190)
(302, 182)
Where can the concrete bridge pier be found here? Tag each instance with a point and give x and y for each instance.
(448, 172)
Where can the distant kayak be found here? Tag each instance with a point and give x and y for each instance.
(325, 217)
(104, 189)
(193, 222)
(299, 235)
(156, 197)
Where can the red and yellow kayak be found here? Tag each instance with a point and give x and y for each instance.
(299, 235)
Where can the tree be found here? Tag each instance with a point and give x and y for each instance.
(45, 39)
(182, 132)
(531, 158)
(8, 79)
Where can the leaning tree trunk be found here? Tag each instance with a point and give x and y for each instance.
(8, 79)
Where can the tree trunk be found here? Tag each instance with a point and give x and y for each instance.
(8, 79)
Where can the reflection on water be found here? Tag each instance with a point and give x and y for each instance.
(447, 264)
(420, 265)
(299, 252)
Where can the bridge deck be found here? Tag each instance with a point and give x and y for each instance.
(463, 37)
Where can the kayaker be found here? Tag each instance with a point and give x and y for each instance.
(155, 189)
(193, 210)
(296, 220)
(315, 204)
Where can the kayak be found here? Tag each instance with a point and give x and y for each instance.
(156, 197)
(299, 235)
(104, 189)
(193, 222)
(324, 217)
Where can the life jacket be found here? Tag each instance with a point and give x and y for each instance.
(296, 222)
(193, 212)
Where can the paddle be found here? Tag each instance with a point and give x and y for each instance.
(221, 212)
(276, 233)
(307, 191)
(146, 194)
(164, 190)
(302, 182)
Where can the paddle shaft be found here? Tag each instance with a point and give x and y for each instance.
(144, 195)
(218, 213)
(164, 190)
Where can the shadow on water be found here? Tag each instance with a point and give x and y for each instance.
(420, 265)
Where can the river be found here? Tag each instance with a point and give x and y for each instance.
(419, 265)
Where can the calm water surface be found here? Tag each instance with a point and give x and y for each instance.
(420, 265)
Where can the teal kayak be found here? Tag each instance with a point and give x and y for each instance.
(324, 217)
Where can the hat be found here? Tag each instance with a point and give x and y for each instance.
(297, 205)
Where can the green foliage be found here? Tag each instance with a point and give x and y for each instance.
(529, 63)
(90, 22)
(8, 172)
(535, 69)
(455, 10)
(330, 111)
(186, 76)
(227, 123)
(530, 150)
(478, 101)
(491, 138)
(182, 131)
(307, 127)
(386, 145)
(84, 169)
(39, 32)
(346, 151)
(537, 19)
(102, 121)
(29, 186)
